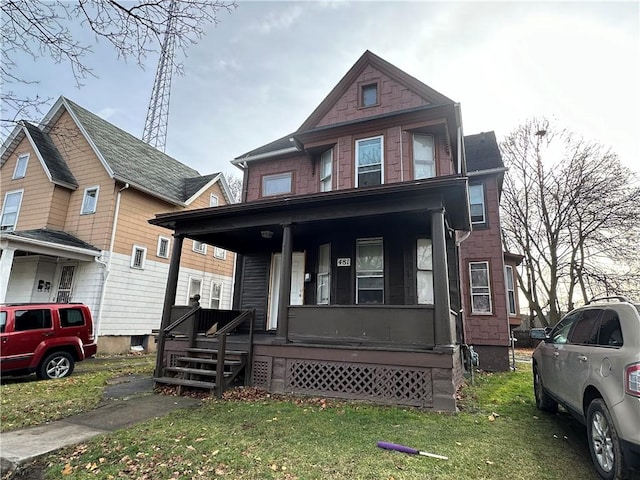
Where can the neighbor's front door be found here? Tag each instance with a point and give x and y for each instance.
(297, 285)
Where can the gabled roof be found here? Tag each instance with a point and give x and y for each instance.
(482, 152)
(369, 58)
(57, 168)
(282, 145)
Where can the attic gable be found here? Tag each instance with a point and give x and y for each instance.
(390, 88)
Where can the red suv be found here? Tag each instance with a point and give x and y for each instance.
(46, 338)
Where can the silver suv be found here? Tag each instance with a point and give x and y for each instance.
(590, 364)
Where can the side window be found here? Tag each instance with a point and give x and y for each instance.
(476, 204)
(584, 331)
(32, 320)
(71, 317)
(3, 321)
(610, 333)
(89, 200)
(560, 332)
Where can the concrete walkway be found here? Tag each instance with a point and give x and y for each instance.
(125, 403)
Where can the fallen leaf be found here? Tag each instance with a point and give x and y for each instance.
(489, 462)
(492, 418)
(67, 470)
(274, 467)
(459, 444)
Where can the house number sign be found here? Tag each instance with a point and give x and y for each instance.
(344, 262)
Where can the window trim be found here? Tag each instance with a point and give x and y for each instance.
(371, 274)
(328, 177)
(17, 212)
(199, 292)
(84, 198)
(143, 259)
(357, 141)
(212, 202)
(202, 251)
(361, 88)
(484, 205)
(488, 287)
(433, 154)
(275, 176)
(16, 174)
(160, 240)
(508, 274)
(217, 254)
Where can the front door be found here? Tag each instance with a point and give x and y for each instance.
(297, 285)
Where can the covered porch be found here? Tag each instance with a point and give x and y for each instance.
(388, 332)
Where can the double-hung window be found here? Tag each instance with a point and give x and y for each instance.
(90, 200)
(195, 288)
(511, 291)
(324, 274)
(326, 168)
(369, 161)
(21, 166)
(480, 287)
(138, 257)
(476, 203)
(216, 295)
(10, 210)
(163, 247)
(424, 165)
(220, 253)
(369, 271)
(424, 276)
(199, 247)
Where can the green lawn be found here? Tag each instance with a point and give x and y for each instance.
(499, 434)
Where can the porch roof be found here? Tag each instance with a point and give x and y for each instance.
(243, 227)
(50, 242)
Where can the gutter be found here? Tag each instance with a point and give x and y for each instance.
(261, 156)
(489, 171)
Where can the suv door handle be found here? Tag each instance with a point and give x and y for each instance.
(47, 334)
(582, 358)
(555, 354)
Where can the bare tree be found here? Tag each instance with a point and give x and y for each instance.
(571, 208)
(44, 28)
(235, 185)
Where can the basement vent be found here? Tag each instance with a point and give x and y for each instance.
(403, 386)
(261, 372)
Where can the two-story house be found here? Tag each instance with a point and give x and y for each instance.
(349, 235)
(77, 193)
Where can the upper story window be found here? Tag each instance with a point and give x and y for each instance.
(90, 200)
(424, 165)
(163, 247)
(326, 170)
(138, 257)
(476, 202)
(369, 271)
(21, 166)
(199, 247)
(480, 288)
(220, 253)
(213, 200)
(511, 291)
(369, 95)
(277, 184)
(10, 210)
(369, 161)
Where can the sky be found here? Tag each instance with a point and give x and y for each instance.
(263, 69)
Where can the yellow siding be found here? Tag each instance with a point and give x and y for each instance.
(89, 172)
(38, 190)
(58, 208)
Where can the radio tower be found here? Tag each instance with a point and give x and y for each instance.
(155, 126)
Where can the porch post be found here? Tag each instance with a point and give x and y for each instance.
(444, 332)
(284, 294)
(6, 262)
(169, 299)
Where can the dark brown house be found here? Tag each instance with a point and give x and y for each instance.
(349, 237)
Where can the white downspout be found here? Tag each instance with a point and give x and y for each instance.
(103, 291)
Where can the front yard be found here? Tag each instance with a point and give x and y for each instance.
(499, 434)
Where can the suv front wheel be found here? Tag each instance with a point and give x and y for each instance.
(56, 365)
(543, 401)
(604, 444)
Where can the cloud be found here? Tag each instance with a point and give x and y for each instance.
(276, 21)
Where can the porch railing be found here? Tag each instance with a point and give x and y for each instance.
(222, 349)
(166, 331)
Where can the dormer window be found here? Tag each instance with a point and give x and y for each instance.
(369, 95)
(424, 165)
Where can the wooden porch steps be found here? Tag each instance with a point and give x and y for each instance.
(198, 369)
